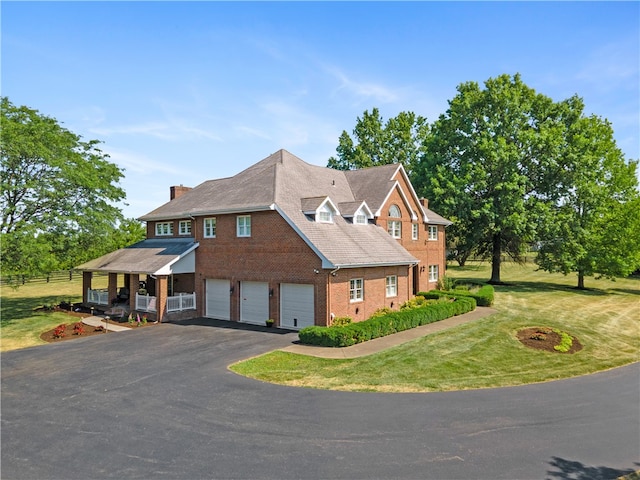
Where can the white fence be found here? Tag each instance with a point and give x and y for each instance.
(182, 301)
(98, 296)
(145, 303)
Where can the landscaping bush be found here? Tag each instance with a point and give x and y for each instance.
(387, 324)
(483, 297)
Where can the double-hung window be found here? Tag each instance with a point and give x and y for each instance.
(414, 231)
(243, 225)
(164, 228)
(356, 290)
(210, 227)
(394, 227)
(184, 227)
(392, 286)
(433, 273)
(433, 232)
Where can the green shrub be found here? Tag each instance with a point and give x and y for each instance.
(565, 343)
(341, 321)
(483, 297)
(387, 324)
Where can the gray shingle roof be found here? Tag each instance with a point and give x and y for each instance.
(285, 183)
(148, 256)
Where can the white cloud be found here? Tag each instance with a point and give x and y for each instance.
(362, 89)
(139, 163)
(174, 130)
(613, 66)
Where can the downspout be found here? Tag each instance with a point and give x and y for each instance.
(331, 274)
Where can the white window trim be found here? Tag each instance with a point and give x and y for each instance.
(433, 273)
(415, 229)
(392, 230)
(210, 224)
(246, 226)
(433, 232)
(391, 282)
(325, 211)
(161, 231)
(184, 227)
(356, 290)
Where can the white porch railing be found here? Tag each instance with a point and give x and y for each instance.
(145, 303)
(98, 296)
(182, 301)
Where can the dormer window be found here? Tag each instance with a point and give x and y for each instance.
(319, 209)
(360, 218)
(325, 214)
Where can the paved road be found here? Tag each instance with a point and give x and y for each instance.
(160, 403)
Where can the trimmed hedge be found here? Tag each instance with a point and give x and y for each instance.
(387, 324)
(483, 297)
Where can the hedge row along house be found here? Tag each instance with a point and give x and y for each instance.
(282, 240)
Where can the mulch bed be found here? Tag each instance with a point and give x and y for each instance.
(88, 330)
(546, 341)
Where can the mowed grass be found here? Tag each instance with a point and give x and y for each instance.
(486, 353)
(20, 325)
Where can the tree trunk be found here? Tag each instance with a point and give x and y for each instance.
(580, 280)
(495, 259)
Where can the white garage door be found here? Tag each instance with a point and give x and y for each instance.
(254, 302)
(218, 299)
(296, 305)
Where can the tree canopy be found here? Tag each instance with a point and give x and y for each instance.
(594, 229)
(399, 140)
(491, 163)
(55, 189)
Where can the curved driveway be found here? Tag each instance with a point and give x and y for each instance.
(160, 403)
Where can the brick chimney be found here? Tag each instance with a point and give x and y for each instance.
(424, 202)
(178, 191)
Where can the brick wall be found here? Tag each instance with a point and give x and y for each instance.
(374, 283)
(274, 253)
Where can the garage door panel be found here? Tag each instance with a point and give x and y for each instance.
(254, 302)
(297, 309)
(218, 301)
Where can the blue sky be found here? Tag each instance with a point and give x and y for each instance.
(183, 92)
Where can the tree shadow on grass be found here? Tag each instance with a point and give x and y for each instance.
(24, 307)
(530, 287)
(541, 287)
(571, 470)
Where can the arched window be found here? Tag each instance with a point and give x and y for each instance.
(394, 226)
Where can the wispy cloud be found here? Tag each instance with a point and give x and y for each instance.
(139, 163)
(613, 66)
(175, 130)
(362, 89)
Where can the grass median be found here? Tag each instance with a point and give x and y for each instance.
(605, 318)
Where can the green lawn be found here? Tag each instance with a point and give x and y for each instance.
(605, 319)
(20, 325)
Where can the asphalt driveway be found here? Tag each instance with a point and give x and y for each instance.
(160, 403)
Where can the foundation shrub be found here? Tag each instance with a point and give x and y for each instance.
(483, 297)
(380, 326)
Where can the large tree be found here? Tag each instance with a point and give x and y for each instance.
(54, 186)
(491, 163)
(595, 227)
(399, 140)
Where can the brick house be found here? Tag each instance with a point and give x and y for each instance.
(283, 239)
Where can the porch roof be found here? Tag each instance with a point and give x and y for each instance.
(152, 256)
